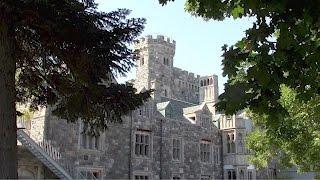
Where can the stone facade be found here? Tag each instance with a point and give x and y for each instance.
(175, 135)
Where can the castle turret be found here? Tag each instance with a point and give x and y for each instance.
(155, 63)
(208, 91)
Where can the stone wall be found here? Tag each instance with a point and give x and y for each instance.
(116, 157)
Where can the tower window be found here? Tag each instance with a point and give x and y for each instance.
(141, 61)
(166, 61)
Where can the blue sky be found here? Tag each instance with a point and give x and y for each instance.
(199, 42)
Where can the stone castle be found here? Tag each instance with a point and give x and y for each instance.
(177, 134)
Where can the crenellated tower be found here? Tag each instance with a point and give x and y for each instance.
(155, 64)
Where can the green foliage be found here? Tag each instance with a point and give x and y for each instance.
(281, 47)
(296, 138)
(27, 115)
(67, 56)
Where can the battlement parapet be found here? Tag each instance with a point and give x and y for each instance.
(150, 39)
(190, 76)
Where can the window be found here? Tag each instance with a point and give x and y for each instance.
(89, 174)
(88, 141)
(217, 155)
(233, 145)
(176, 177)
(166, 61)
(230, 143)
(229, 121)
(205, 151)
(241, 174)
(142, 144)
(240, 147)
(138, 177)
(205, 177)
(249, 175)
(231, 174)
(176, 149)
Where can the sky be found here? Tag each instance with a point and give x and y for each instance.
(198, 42)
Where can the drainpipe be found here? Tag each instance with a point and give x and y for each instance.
(130, 147)
(161, 144)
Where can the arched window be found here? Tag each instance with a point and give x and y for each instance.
(142, 61)
(229, 175)
(164, 60)
(228, 144)
(241, 174)
(233, 147)
(201, 83)
(208, 83)
(165, 93)
(211, 81)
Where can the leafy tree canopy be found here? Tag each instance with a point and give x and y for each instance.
(295, 141)
(275, 72)
(281, 47)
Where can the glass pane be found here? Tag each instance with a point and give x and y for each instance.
(146, 139)
(90, 142)
(147, 150)
(137, 149)
(140, 149)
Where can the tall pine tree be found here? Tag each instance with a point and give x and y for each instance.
(63, 53)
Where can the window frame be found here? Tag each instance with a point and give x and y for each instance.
(96, 142)
(179, 147)
(144, 133)
(205, 151)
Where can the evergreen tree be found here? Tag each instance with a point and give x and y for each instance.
(65, 54)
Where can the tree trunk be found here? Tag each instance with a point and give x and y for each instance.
(8, 127)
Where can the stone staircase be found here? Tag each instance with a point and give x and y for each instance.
(45, 153)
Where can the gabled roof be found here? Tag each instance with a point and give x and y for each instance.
(162, 105)
(193, 109)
